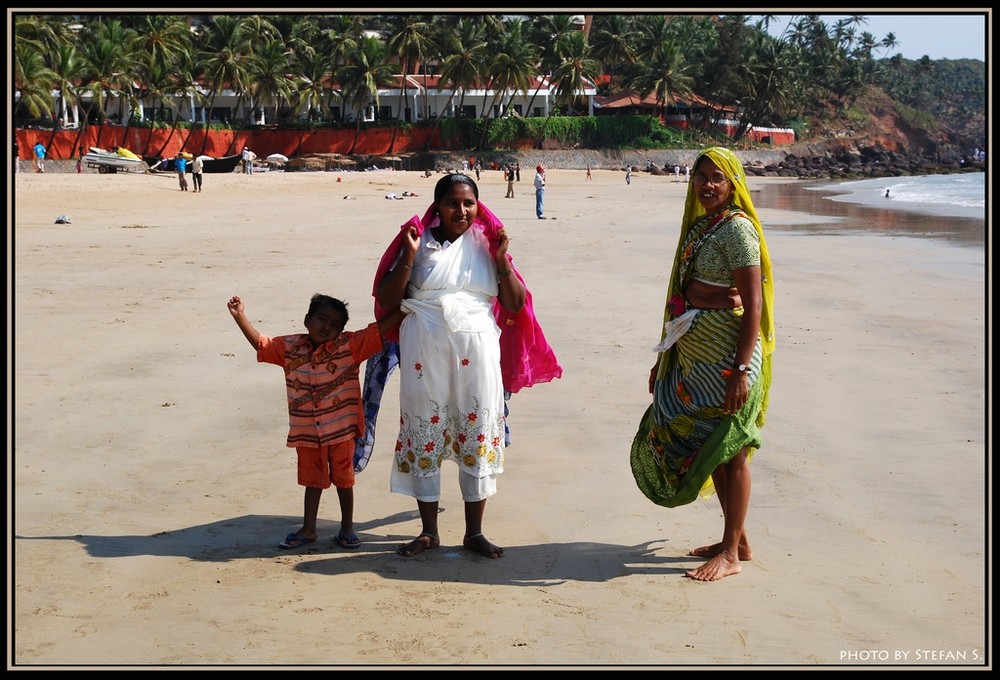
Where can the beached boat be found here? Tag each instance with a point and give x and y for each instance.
(112, 161)
(210, 165)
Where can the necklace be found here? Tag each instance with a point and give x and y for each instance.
(699, 232)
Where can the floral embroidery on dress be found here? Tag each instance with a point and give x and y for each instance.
(474, 439)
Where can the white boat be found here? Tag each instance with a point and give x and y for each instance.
(110, 162)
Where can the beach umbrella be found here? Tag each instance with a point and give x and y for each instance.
(278, 157)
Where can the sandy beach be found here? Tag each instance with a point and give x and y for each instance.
(149, 483)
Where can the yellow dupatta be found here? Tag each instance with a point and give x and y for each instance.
(730, 165)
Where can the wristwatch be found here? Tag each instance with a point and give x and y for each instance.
(742, 368)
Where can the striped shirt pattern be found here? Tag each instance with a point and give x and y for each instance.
(324, 392)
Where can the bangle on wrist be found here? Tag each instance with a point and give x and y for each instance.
(406, 266)
(506, 272)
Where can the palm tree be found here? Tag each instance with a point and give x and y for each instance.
(70, 69)
(409, 40)
(550, 32)
(612, 43)
(889, 41)
(312, 91)
(512, 69)
(664, 73)
(770, 82)
(267, 73)
(340, 41)
(577, 66)
(163, 42)
(107, 49)
(33, 82)
(460, 68)
(162, 39)
(184, 85)
(224, 64)
(361, 78)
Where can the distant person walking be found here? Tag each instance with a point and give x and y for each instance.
(39, 157)
(687, 173)
(508, 174)
(248, 158)
(197, 167)
(589, 176)
(180, 165)
(517, 171)
(677, 173)
(628, 175)
(540, 192)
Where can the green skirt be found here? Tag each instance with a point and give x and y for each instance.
(684, 434)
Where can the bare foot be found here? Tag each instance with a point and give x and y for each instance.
(746, 554)
(722, 565)
(421, 543)
(479, 543)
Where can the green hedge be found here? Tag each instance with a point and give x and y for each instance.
(588, 132)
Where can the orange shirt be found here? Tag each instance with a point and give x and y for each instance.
(324, 392)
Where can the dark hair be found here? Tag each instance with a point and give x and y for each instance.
(319, 300)
(448, 181)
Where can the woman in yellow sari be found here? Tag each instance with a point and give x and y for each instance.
(713, 371)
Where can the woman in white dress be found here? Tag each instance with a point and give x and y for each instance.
(448, 277)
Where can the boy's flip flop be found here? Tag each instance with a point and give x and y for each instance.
(293, 541)
(349, 542)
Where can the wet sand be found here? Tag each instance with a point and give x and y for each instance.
(837, 217)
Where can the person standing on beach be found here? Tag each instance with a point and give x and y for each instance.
(677, 173)
(508, 174)
(517, 171)
(589, 176)
(469, 341)
(712, 375)
(248, 158)
(39, 157)
(628, 175)
(324, 402)
(197, 168)
(540, 192)
(180, 165)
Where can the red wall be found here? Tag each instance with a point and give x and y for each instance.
(63, 144)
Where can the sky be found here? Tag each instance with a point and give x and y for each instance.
(939, 36)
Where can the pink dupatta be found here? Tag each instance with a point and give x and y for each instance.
(526, 358)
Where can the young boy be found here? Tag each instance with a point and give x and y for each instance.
(324, 402)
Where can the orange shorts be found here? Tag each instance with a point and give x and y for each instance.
(326, 465)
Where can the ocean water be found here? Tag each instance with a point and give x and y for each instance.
(955, 195)
(944, 207)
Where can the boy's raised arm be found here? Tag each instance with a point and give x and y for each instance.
(236, 309)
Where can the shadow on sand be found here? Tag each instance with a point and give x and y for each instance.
(257, 536)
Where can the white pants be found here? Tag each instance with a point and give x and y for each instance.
(428, 489)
